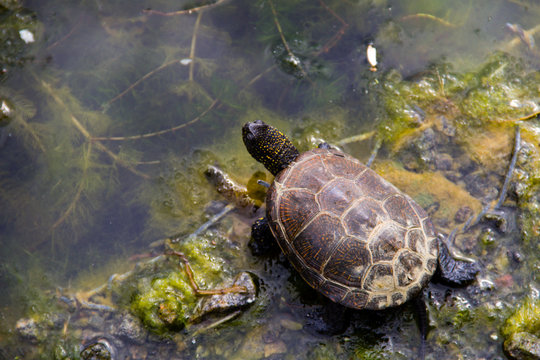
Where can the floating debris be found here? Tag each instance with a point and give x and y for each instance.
(525, 36)
(27, 36)
(186, 61)
(371, 53)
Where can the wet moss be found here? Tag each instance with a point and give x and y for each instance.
(522, 331)
(167, 302)
(526, 318)
(527, 185)
(427, 188)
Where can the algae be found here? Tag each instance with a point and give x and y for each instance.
(119, 109)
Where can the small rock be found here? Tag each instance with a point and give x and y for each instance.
(277, 347)
(96, 322)
(522, 346)
(230, 301)
(28, 329)
(291, 324)
(99, 349)
(443, 162)
(463, 214)
(129, 328)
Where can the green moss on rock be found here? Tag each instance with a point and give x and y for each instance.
(167, 301)
(522, 331)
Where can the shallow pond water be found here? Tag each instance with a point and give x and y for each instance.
(112, 111)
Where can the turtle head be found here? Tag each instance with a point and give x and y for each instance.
(268, 145)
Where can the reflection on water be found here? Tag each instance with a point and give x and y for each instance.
(116, 111)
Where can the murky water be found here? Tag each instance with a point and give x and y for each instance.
(115, 110)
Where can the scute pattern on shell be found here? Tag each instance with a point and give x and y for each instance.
(351, 234)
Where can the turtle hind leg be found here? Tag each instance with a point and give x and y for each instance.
(453, 271)
(262, 241)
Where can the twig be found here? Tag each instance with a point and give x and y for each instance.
(526, 117)
(517, 146)
(335, 39)
(54, 44)
(193, 43)
(156, 133)
(182, 12)
(106, 105)
(218, 322)
(356, 138)
(213, 220)
(430, 17)
(284, 41)
(374, 152)
(257, 77)
(193, 284)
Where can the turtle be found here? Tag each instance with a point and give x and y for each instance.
(352, 235)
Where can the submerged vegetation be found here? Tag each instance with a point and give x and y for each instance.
(110, 114)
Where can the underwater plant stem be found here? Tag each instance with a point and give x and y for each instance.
(65, 37)
(335, 39)
(374, 152)
(283, 40)
(430, 17)
(527, 117)
(356, 138)
(517, 146)
(80, 188)
(257, 77)
(193, 45)
(31, 131)
(161, 132)
(88, 136)
(218, 322)
(193, 284)
(183, 12)
(106, 105)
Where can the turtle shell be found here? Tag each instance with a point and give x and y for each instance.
(351, 234)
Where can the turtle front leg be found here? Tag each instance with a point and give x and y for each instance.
(453, 271)
(262, 241)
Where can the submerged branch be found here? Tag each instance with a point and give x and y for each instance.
(193, 44)
(523, 118)
(430, 17)
(283, 40)
(57, 42)
(335, 39)
(156, 133)
(183, 12)
(257, 77)
(356, 138)
(106, 105)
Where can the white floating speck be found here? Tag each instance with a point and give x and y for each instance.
(515, 103)
(5, 109)
(372, 57)
(185, 62)
(26, 36)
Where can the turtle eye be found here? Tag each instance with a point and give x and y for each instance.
(249, 136)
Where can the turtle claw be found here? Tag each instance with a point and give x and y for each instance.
(453, 271)
(262, 241)
(324, 145)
